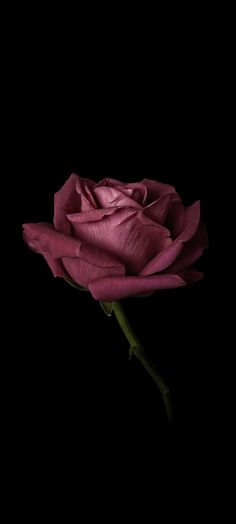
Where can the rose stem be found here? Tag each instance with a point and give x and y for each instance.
(137, 349)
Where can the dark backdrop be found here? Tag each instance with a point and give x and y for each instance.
(76, 389)
(75, 395)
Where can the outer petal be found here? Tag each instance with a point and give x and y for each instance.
(175, 218)
(116, 288)
(183, 221)
(192, 251)
(34, 243)
(163, 259)
(82, 271)
(158, 209)
(71, 198)
(191, 275)
(167, 256)
(191, 221)
(43, 238)
(53, 245)
(157, 189)
(55, 266)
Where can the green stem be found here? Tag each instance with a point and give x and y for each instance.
(137, 349)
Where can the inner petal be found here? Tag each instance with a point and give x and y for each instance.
(137, 191)
(112, 196)
(124, 235)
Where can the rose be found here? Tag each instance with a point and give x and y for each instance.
(119, 239)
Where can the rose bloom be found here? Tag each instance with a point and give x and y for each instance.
(119, 239)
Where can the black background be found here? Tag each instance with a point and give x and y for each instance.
(75, 383)
(75, 395)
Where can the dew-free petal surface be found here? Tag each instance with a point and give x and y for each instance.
(124, 235)
(116, 288)
(68, 200)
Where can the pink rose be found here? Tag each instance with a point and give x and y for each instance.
(119, 239)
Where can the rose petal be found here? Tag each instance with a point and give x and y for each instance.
(192, 251)
(55, 266)
(101, 259)
(157, 189)
(168, 255)
(82, 271)
(191, 275)
(31, 243)
(191, 221)
(116, 288)
(111, 182)
(125, 236)
(112, 197)
(68, 200)
(46, 239)
(175, 218)
(158, 210)
(54, 263)
(163, 260)
(87, 199)
(53, 245)
(135, 190)
(90, 216)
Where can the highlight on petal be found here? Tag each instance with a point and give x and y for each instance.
(124, 236)
(90, 216)
(137, 191)
(113, 197)
(116, 288)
